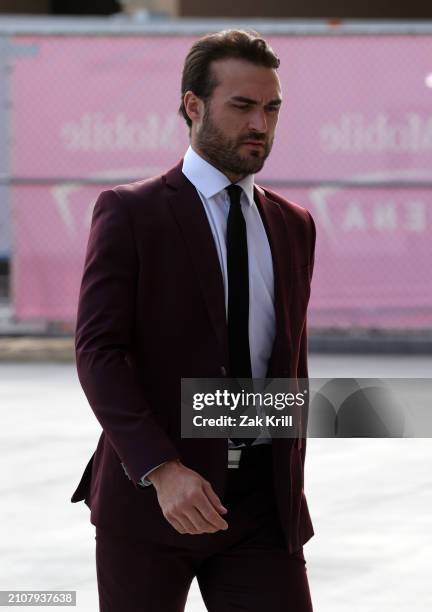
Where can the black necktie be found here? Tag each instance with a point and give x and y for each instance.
(238, 293)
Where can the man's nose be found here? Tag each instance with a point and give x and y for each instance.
(258, 121)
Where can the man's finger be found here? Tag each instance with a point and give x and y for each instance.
(214, 499)
(210, 514)
(200, 523)
(177, 525)
(188, 523)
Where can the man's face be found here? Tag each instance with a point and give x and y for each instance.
(237, 126)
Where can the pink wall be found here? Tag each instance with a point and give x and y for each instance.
(355, 108)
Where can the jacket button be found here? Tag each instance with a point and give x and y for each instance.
(223, 371)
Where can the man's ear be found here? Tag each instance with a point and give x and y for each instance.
(194, 106)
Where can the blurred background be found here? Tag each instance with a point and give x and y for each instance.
(89, 91)
(88, 102)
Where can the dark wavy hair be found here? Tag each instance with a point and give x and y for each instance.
(197, 75)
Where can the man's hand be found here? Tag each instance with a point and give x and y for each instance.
(187, 500)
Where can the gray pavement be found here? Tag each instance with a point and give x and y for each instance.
(370, 500)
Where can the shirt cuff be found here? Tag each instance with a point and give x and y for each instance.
(144, 482)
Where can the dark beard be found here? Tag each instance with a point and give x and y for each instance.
(222, 152)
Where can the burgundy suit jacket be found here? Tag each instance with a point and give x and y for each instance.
(151, 311)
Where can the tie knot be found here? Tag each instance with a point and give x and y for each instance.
(234, 192)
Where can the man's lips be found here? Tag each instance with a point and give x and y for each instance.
(253, 143)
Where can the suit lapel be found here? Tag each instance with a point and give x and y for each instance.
(280, 246)
(189, 212)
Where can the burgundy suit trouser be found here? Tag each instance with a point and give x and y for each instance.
(246, 567)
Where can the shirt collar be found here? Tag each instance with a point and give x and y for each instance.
(209, 180)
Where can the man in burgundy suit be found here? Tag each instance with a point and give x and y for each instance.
(198, 273)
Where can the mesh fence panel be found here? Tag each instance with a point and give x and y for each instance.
(353, 145)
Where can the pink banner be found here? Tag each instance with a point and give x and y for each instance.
(355, 108)
(373, 256)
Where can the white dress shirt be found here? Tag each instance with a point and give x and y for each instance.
(210, 184)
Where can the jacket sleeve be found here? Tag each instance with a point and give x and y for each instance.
(104, 336)
(302, 369)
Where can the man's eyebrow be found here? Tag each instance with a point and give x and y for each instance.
(275, 102)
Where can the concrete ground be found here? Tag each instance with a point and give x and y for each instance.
(370, 499)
